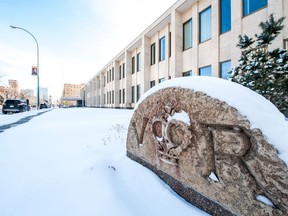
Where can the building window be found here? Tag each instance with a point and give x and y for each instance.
(187, 34)
(124, 70)
(123, 93)
(133, 65)
(138, 92)
(161, 80)
(107, 76)
(162, 49)
(205, 71)
(113, 97)
(104, 99)
(186, 74)
(153, 53)
(104, 80)
(285, 43)
(225, 69)
(138, 61)
(152, 83)
(112, 73)
(225, 16)
(249, 6)
(133, 94)
(120, 75)
(120, 95)
(205, 25)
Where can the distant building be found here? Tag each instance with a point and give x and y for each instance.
(44, 94)
(13, 84)
(71, 93)
(27, 92)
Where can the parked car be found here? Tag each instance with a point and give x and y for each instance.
(14, 106)
(43, 106)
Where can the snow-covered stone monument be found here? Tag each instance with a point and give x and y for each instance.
(219, 145)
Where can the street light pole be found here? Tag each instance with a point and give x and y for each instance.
(38, 89)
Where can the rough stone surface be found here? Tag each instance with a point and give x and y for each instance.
(215, 160)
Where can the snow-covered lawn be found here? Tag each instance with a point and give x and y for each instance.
(73, 162)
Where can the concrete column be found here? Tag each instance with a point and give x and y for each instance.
(116, 84)
(195, 40)
(277, 9)
(102, 89)
(236, 27)
(145, 65)
(176, 44)
(215, 16)
(128, 73)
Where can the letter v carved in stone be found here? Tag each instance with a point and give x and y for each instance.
(139, 137)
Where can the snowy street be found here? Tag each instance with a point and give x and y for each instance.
(73, 162)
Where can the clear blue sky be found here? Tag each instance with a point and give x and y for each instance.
(76, 38)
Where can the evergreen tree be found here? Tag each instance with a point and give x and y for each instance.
(262, 70)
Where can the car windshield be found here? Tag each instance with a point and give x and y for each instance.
(14, 102)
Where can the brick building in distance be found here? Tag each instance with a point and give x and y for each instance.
(71, 94)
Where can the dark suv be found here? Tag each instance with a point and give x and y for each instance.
(14, 106)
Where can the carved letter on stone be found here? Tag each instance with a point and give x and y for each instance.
(206, 151)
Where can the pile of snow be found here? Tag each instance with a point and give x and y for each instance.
(259, 111)
(73, 162)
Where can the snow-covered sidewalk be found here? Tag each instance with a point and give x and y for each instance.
(73, 162)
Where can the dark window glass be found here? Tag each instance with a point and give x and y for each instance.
(205, 71)
(250, 6)
(225, 68)
(153, 56)
(285, 43)
(138, 61)
(187, 34)
(205, 25)
(133, 94)
(113, 73)
(138, 92)
(162, 49)
(133, 65)
(161, 80)
(123, 93)
(120, 75)
(188, 73)
(225, 15)
(124, 70)
(120, 96)
(152, 83)
(113, 97)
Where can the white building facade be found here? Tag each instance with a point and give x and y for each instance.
(192, 38)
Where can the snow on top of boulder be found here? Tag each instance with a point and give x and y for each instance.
(260, 112)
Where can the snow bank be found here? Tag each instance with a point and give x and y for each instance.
(259, 111)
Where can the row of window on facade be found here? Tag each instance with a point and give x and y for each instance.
(205, 20)
(205, 34)
(109, 97)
